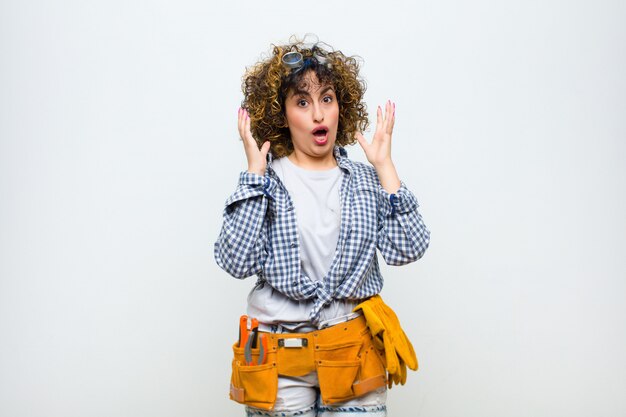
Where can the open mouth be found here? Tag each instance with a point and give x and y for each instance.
(321, 134)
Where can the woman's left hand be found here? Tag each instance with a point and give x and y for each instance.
(378, 152)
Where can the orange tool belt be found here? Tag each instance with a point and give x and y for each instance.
(344, 357)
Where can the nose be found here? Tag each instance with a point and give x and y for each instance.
(318, 113)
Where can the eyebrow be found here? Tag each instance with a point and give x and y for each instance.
(298, 92)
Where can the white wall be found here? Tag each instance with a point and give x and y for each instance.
(118, 147)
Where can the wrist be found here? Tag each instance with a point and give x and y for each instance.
(256, 170)
(388, 176)
(384, 167)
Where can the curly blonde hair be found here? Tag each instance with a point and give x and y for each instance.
(266, 85)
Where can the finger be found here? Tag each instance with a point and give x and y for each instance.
(361, 139)
(246, 135)
(379, 118)
(388, 115)
(242, 125)
(265, 148)
(243, 115)
(392, 118)
(248, 131)
(239, 123)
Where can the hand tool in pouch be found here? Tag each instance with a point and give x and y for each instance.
(243, 331)
(262, 349)
(251, 342)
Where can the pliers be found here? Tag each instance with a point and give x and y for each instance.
(251, 343)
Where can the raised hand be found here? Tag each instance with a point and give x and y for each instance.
(378, 152)
(256, 157)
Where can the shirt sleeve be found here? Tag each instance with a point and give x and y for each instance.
(240, 247)
(402, 234)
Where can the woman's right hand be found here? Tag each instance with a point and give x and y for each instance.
(256, 157)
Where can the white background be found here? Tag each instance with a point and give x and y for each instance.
(118, 148)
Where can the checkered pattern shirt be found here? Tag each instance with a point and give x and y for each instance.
(259, 235)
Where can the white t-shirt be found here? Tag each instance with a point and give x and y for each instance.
(316, 198)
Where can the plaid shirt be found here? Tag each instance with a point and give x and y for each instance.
(259, 235)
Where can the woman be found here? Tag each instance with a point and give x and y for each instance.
(307, 221)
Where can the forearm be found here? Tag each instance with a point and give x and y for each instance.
(240, 247)
(402, 237)
(388, 176)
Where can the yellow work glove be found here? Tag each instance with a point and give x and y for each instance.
(402, 344)
(400, 376)
(382, 339)
(388, 335)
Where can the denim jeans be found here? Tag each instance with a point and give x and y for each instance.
(299, 396)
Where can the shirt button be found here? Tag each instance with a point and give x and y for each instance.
(295, 283)
(293, 244)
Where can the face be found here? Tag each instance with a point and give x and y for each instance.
(312, 117)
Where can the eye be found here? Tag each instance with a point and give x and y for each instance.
(301, 102)
(327, 99)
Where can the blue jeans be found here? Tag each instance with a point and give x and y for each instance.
(299, 396)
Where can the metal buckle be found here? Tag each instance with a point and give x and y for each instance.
(293, 342)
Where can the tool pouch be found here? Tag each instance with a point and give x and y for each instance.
(350, 368)
(343, 355)
(254, 385)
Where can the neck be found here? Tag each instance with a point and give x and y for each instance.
(313, 163)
